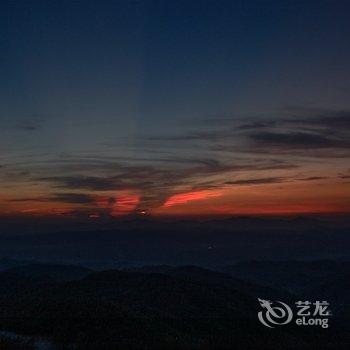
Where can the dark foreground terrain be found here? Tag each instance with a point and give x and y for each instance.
(165, 307)
(147, 284)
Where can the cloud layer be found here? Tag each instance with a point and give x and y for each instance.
(169, 170)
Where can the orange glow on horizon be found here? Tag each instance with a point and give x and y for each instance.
(287, 198)
(47, 211)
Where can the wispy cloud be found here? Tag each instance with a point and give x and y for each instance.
(71, 198)
(296, 131)
(29, 124)
(314, 178)
(296, 140)
(259, 181)
(156, 183)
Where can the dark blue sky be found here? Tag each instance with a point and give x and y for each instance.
(148, 82)
(156, 60)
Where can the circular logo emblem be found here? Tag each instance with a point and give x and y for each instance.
(274, 313)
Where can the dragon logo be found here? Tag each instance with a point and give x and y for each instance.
(274, 315)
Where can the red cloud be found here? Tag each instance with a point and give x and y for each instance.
(182, 198)
(120, 204)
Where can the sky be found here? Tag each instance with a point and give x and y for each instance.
(174, 108)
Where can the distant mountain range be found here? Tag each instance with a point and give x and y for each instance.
(207, 243)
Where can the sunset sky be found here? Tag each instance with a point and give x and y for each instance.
(111, 108)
